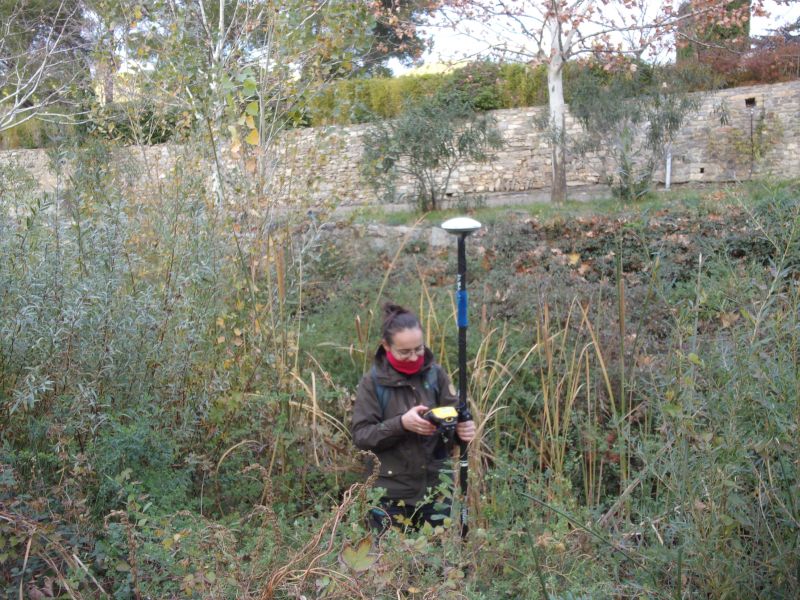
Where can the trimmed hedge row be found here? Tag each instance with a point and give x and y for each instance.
(489, 86)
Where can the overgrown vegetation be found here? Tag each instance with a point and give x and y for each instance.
(178, 352)
(176, 379)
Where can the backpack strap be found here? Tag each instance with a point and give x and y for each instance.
(382, 392)
(432, 382)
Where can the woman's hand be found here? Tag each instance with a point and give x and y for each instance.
(412, 421)
(466, 431)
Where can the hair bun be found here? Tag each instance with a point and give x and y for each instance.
(390, 309)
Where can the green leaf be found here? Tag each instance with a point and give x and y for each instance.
(249, 86)
(252, 109)
(358, 558)
(418, 544)
(124, 476)
(747, 315)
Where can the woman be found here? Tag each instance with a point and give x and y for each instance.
(388, 418)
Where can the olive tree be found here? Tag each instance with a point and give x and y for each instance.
(426, 143)
(631, 115)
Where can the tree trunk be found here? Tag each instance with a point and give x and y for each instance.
(108, 82)
(558, 138)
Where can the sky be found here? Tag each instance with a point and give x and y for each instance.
(450, 46)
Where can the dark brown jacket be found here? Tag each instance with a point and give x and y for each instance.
(408, 465)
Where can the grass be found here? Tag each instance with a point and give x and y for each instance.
(699, 198)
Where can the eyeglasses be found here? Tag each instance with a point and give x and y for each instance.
(409, 353)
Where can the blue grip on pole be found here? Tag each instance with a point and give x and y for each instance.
(461, 297)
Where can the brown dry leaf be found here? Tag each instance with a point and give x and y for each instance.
(48, 587)
(34, 593)
(502, 297)
(540, 251)
(584, 268)
(645, 360)
(728, 319)
(680, 238)
(519, 269)
(486, 259)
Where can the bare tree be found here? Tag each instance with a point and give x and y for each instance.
(42, 60)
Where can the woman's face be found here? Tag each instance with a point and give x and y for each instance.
(407, 344)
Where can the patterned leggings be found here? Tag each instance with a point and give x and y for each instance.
(408, 517)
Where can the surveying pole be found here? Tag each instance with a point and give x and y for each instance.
(462, 227)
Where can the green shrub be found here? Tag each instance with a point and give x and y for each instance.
(479, 83)
(362, 100)
(137, 457)
(134, 123)
(491, 85)
(36, 133)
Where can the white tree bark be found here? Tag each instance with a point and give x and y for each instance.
(557, 121)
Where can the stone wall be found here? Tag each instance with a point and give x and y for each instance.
(705, 151)
(322, 164)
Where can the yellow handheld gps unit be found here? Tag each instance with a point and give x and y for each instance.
(445, 417)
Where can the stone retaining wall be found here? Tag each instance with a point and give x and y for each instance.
(322, 164)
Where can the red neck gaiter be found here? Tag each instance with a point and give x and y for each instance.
(406, 367)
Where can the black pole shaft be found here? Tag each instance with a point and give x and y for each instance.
(463, 410)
